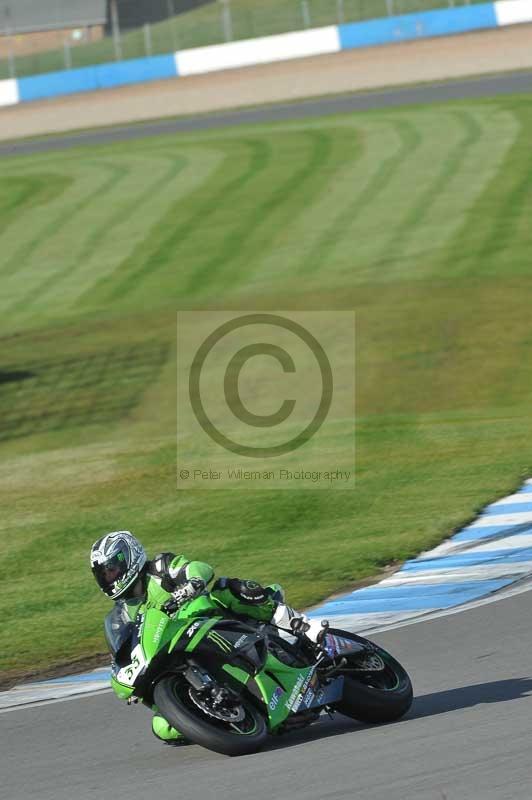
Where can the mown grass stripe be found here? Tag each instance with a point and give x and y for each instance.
(223, 264)
(514, 204)
(118, 173)
(135, 237)
(410, 140)
(468, 253)
(416, 214)
(96, 236)
(65, 217)
(72, 274)
(157, 249)
(19, 193)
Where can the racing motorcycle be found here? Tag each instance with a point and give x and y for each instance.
(227, 684)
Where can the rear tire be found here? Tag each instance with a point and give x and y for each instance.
(377, 696)
(170, 698)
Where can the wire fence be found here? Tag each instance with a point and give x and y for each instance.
(211, 23)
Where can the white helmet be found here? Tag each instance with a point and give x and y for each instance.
(116, 561)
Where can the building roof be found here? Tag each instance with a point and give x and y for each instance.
(23, 16)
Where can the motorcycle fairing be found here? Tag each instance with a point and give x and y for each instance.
(239, 650)
(281, 688)
(317, 696)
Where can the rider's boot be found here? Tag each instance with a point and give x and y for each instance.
(163, 731)
(291, 620)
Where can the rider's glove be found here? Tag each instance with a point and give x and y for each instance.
(188, 590)
(299, 625)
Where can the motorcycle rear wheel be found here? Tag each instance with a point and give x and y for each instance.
(171, 696)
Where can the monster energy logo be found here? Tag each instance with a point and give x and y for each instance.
(222, 643)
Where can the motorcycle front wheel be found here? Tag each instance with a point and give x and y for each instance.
(240, 731)
(381, 693)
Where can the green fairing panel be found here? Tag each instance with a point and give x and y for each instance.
(177, 632)
(237, 673)
(279, 696)
(198, 636)
(157, 630)
(121, 691)
(201, 606)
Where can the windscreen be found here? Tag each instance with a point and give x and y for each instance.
(119, 626)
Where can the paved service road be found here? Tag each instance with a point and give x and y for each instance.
(467, 737)
(432, 93)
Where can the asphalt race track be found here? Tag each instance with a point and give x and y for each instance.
(506, 83)
(468, 735)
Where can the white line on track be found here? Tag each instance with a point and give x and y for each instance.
(51, 701)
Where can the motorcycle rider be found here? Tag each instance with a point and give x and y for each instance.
(123, 572)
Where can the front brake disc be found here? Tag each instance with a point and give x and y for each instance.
(371, 662)
(233, 714)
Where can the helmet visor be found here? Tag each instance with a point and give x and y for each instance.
(108, 573)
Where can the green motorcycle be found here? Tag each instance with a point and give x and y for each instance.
(226, 684)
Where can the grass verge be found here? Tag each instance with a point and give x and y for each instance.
(417, 218)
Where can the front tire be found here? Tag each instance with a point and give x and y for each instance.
(171, 698)
(377, 696)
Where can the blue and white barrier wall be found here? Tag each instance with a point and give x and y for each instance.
(248, 52)
(267, 49)
(9, 92)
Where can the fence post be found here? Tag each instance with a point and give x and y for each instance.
(171, 15)
(11, 64)
(227, 22)
(147, 38)
(390, 7)
(115, 25)
(305, 12)
(340, 12)
(9, 39)
(67, 55)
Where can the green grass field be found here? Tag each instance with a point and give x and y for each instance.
(204, 26)
(419, 219)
